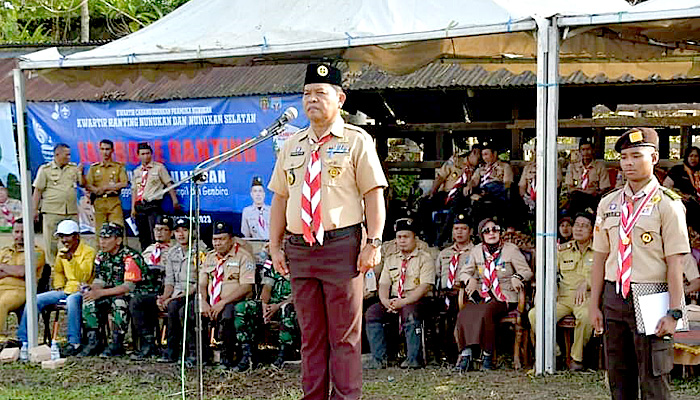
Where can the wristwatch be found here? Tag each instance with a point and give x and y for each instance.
(374, 242)
(675, 313)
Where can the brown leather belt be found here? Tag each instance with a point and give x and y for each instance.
(298, 239)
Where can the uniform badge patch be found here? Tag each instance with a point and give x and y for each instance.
(291, 178)
(613, 207)
(322, 70)
(647, 237)
(416, 281)
(334, 172)
(297, 152)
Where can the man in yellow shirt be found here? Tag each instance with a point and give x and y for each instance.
(73, 268)
(12, 288)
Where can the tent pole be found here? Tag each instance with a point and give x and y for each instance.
(26, 194)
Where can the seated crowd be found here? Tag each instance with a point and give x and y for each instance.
(437, 274)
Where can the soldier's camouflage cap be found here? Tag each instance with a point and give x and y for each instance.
(111, 229)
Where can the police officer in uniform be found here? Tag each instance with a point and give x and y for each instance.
(255, 221)
(105, 181)
(407, 278)
(55, 187)
(226, 282)
(640, 238)
(575, 259)
(323, 246)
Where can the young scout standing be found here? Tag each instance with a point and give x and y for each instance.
(320, 180)
(640, 236)
(105, 181)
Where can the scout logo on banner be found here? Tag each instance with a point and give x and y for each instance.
(183, 133)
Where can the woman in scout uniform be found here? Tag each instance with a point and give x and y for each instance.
(640, 240)
(490, 282)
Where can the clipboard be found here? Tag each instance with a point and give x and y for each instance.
(644, 289)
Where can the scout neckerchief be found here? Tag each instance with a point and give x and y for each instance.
(454, 261)
(628, 218)
(585, 179)
(142, 187)
(261, 220)
(9, 216)
(532, 190)
(694, 178)
(215, 289)
(463, 179)
(490, 279)
(311, 195)
(155, 255)
(402, 275)
(486, 177)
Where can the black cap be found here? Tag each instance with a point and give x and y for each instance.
(461, 218)
(164, 220)
(637, 137)
(144, 146)
(111, 229)
(405, 224)
(323, 73)
(489, 144)
(222, 227)
(257, 181)
(585, 140)
(586, 214)
(182, 222)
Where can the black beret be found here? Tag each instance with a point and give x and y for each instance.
(490, 145)
(323, 73)
(405, 224)
(461, 218)
(257, 181)
(585, 140)
(637, 137)
(182, 222)
(111, 229)
(144, 146)
(164, 220)
(222, 227)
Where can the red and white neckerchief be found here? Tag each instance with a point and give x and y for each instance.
(454, 262)
(155, 255)
(402, 276)
(532, 189)
(9, 216)
(486, 176)
(629, 215)
(142, 186)
(261, 219)
(585, 180)
(463, 179)
(311, 195)
(490, 278)
(215, 289)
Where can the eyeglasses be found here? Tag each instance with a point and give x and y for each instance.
(495, 229)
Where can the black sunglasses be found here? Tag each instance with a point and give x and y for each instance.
(495, 229)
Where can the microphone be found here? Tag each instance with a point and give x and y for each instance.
(289, 114)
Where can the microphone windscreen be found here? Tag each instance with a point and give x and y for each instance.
(291, 113)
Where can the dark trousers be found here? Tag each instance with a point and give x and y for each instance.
(378, 315)
(144, 314)
(227, 334)
(634, 360)
(327, 290)
(146, 213)
(176, 315)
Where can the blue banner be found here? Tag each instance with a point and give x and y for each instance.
(183, 133)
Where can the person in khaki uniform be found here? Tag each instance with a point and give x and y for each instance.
(640, 238)
(105, 181)
(148, 179)
(55, 190)
(451, 171)
(494, 177)
(226, 279)
(12, 285)
(349, 181)
(586, 180)
(491, 279)
(10, 210)
(528, 184)
(407, 277)
(575, 259)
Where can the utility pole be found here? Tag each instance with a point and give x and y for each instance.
(84, 22)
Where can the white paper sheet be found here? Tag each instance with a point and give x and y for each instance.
(654, 307)
(132, 224)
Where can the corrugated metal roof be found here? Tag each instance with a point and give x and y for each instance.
(285, 79)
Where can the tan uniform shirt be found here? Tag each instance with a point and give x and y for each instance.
(239, 269)
(58, 188)
(175, 261)
(10, 211)
(451, 170)
(660, 232)
(101, 173)
(158, 178)
(149, 253)
(442, 267)
(350, 168)
(574, 267)
(690, 268)
(598, 177)
(419, 270)
(510, 261)
(499, 171)
(10, 255)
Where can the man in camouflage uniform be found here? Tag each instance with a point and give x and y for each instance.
(276, 299)
(120, 273)
(226, 285)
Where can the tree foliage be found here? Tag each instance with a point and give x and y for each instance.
(41, 21)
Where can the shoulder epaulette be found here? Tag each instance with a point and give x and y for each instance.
(671, 193)
(95, 164)
(566, 246)
(72, 164)
(613, 192)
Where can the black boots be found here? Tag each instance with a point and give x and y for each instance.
(92, 348)
(246, 361)
(116, 348)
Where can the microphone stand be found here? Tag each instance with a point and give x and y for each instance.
(198, 177)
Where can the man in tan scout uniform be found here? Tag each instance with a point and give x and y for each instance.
(640, 238)
(55, 189)
(450, 173)
(323, 245)
(146, 204)
(105, 181)
(494, 176)
(407, 277)
(226, 280)
(575, 259)
(586, 180)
